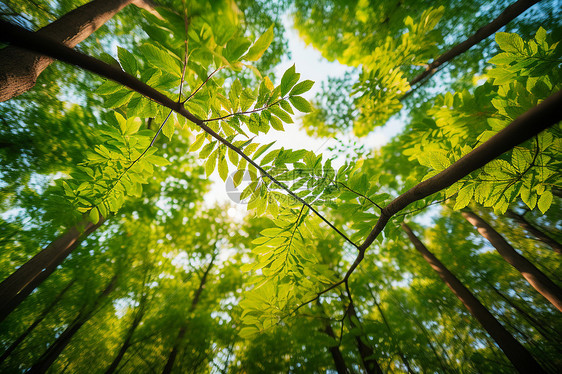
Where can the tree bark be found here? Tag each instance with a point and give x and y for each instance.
(15, 288)
(370, 364)
(19, 68)
(37, 321)
(521, 359)
(534, 276)
(55, 349)
(183, 328)
(503, 19)
(538, 234)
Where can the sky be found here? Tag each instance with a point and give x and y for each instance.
(311, 65)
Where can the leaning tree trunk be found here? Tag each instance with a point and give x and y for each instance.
(37, 321)
(339, 361)
(541, 328)
(388, 328)
(19, 68)
(534, 276)
(503, 19)
(15, 288)
(53, 352)
(370, 365)
(538, 234)
(183, 328)
(127, 342)
(521, 359)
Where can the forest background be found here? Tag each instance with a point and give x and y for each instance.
(438, 251)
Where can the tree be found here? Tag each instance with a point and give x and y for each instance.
(20, 68)
(518, 355)
(534, 276)
(201, 290)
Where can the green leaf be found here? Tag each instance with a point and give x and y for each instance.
(198, 142)
(260, 46)
(161, 59)
(509, 42)
(127, 60)
(168, 129)
(301, 104)
(302, 87)
(211, 163)
(94, 215)
(281, 114)
(464, 196)
(545, 201)
(276, 123)
(223, 169)
(289, 79)
(236, 48)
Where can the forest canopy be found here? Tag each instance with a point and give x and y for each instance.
(437, 252)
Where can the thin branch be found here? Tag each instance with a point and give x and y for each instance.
(202, 84)
(255, 110)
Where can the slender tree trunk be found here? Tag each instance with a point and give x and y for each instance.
(127, 342)
(183, 328)
(37, 321)
(389, 329)
(538, 234)
(534, 276)
(503, 19)
(541, 328)
(19, 69)
(15, 288)
(517, 354)
(53, 352)
(339, 361)
(370, 365)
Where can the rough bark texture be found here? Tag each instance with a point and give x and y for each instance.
(55, 349)
(19, 68)
(15, 288)
(534, 276)
(503, 19)
(37, 321)
(521, 359)
(538, 234)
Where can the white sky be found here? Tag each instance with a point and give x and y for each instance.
(311, 65)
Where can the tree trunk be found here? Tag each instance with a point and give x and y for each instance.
(339, 362)
(517, 354)
(388, 328)
(183, 328)
(538, 234)
(127, 343)
(503, 19)
(370, 365)
(55, 349)
(15, 288)
(19, 68)
(534, 276)
(540, 327)
(37, 321)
